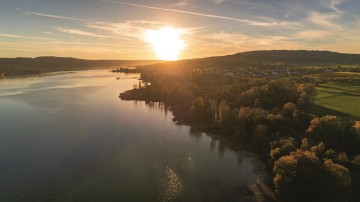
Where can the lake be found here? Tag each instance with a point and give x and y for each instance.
(68, 137)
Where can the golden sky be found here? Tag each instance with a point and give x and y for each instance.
(104, 29)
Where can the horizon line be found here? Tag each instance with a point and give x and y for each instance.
(309, 50)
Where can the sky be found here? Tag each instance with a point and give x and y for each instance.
(112, 29)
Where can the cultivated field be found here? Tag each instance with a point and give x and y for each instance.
(341, 98)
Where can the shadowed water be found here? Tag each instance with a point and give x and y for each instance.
(68, 137)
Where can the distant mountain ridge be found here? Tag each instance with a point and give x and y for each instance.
(299, 56)
(263, 58)
(287, 56)
(65, 63)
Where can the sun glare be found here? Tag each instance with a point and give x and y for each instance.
(166, 42)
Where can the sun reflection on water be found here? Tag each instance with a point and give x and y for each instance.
(171, 186)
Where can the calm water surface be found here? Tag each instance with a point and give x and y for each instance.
(68, 137)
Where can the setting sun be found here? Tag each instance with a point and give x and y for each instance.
(166, 42)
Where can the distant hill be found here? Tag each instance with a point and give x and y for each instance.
(287, 57)
(291, 56)
(16, 66)
(299, 56)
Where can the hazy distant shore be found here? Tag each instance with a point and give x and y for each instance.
(39, 65)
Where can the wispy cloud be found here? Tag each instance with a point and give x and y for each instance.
(218, 1)
(115, 30)
(335, 3)
(246, 21)
(48, 33)
(313, 34)
(51, 15)
(183, 11)
(109, 31)
(132, 29)
(182, 3)
(324, 19)
(24, 37)
(79, 32)
(272, 22)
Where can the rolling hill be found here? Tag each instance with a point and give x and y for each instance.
(276, 56)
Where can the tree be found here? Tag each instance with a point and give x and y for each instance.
(356, 161)
(339, 180)
(342, 158)
(200, 109)
(297, 177)
(301, 120)
(330, 154)
(288, 109)
(224, 110)
(260, 134)
(257, 103)
(214, 108)
(281, 147)
(356, 128)
(301, 176)
(305, 144)
(326, 129)
(351, 133)
(319, 150)
(304, 91)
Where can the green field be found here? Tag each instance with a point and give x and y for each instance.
(337, 98)
(334, 67)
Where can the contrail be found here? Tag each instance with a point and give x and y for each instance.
(185, 12)
(51, 16)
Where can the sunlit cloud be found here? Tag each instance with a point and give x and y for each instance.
(78, 32)
(89, 34)
(273, 22)
(132, 30)
(324, 19)
(313, 34)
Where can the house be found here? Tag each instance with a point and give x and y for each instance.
(328, 71)
(2, 73)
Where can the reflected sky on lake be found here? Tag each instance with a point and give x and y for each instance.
(68, 137)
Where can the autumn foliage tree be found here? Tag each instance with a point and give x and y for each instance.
(301, 176)
(297, 177)
(326, 129)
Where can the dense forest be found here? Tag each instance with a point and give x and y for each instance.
(263, 99)
(26, 66)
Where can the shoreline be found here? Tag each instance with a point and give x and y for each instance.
(180, 118)
(231, 141)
